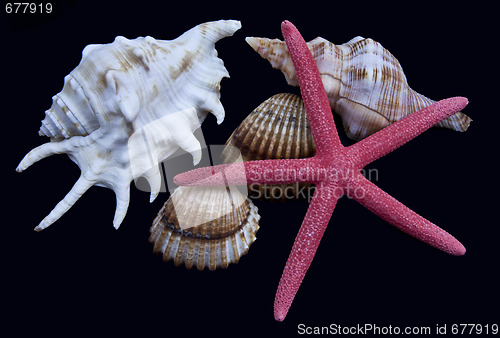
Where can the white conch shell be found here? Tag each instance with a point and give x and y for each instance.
(130, 104)
(364, 82)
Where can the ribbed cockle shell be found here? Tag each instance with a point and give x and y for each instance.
(129, 105)
(205, 227)
(365, 83)
(276, 129)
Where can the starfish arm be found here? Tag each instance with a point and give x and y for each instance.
(397, 134)
(313, 92)
(396, 213)
(304, 248)
(262, 171)
(284, 171)
(223, 174)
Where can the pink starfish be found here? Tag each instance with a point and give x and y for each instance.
(335, 170)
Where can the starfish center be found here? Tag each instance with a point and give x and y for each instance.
(338, 169)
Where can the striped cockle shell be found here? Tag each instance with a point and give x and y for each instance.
(205, 227)
(277, 129)
(129, 105)
(364, 82)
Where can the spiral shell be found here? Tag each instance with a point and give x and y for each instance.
(277, 129)
(205, 227)
(364, 82)
(129, 105)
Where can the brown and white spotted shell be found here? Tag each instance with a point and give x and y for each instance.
(364, 82)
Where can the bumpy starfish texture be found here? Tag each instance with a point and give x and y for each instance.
(335, 170)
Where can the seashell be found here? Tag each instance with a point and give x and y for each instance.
(365, 83)
(277, 129)
(206, 227)
(129, 105)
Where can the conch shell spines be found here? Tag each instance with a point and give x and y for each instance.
(116, 98)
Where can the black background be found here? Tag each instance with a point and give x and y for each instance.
(81, 275)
